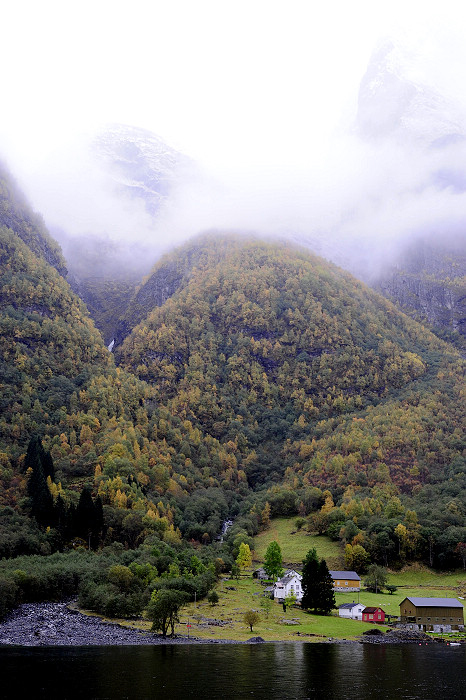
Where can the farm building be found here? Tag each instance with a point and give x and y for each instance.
(373, 615)
(432, 614)
(260, 574)
(351, 610)
(345, 580)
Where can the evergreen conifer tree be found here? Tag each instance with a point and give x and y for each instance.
(317, 585)
(41, 500)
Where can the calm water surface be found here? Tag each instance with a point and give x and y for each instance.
(270, 671)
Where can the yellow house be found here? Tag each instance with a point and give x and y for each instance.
(345, 581)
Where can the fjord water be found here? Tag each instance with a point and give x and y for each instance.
(278, 671)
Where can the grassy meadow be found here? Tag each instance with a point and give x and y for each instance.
(295, 544)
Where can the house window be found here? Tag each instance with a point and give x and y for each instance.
(346, 583)
(371, 617)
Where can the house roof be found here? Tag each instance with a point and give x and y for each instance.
(372, 610)
(352, 575)
(435, 602)
(286, 579)
(350, 606)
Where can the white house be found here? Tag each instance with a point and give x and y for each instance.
(351, 610)
(287, 585)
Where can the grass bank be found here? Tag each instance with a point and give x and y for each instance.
(295, 544)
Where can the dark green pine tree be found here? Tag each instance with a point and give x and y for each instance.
(40, 498)
(64, 519)
(326, 597)
(98, 521)
(33, 454)
(317, 585)
(89, 517)
(310, 580)
(47, 464)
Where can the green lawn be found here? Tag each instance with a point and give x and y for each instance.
(233, 604)
(421, 576)
(237, 596)
(295, 544)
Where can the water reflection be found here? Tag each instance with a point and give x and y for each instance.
(278, 671)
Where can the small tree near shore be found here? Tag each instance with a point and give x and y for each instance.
(251, 618)
(213, 598)
(289, 601)
(163, 609)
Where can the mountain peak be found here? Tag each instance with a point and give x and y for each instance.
(397, 99)
(140, 163)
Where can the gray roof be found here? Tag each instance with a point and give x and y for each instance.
(345, 574)
(435, 602)
(286, 579)
(349, 606)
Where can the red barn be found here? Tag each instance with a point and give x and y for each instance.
(376, 615)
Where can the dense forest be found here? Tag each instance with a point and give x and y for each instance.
(250, 379)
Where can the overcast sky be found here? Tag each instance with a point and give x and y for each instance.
(262, 92)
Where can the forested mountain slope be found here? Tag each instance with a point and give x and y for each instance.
(102, 428)
(276, 339)
(16, 213)
(311, 381)
(262, 375)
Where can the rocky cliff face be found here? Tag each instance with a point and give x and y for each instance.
(429, 283)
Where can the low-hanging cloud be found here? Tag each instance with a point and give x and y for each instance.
(356, 194)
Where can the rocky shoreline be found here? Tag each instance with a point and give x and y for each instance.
(60, 624)
(57, 624)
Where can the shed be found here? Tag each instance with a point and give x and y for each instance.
(376, 615)
(260, 574)
(351, 610)
(432, 614)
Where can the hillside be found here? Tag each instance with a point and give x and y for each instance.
(253, 376)
(311, 381)
(16, 214)
(100, 427)
(260, 342)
